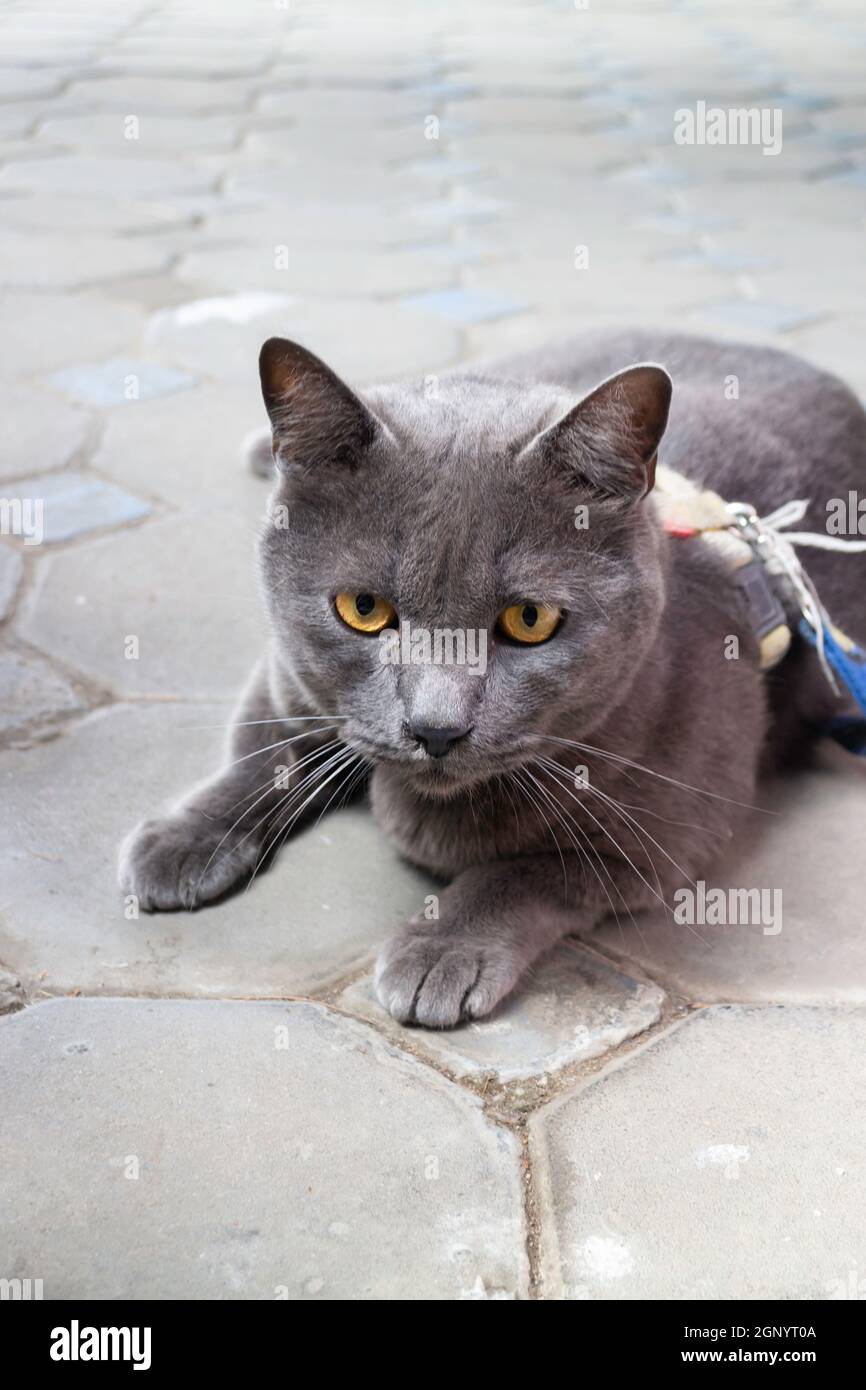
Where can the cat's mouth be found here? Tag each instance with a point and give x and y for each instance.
(447, 773)
(443, 776)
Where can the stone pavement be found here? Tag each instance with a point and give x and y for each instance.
(215, 1105)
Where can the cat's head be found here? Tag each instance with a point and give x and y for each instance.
(506, 522)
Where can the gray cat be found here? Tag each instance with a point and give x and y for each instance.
(609, 747)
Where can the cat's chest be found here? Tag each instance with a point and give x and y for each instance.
(446, 837)
(515, 815)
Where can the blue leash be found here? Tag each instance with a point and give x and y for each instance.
(848, 661)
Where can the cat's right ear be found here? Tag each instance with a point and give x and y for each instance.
(315, 417)
(609, 441)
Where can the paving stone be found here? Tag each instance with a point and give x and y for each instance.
(456, 211)
(758, 315)
(819, 954)
(815, 208)
(81, 175)
(457, 253)
(105, 325)
(154, 95)
(734, 261)
(359, 176)
(339, 109)
(443, 169)
(23, 148)
(12, 995)
(362, 339)
(59, 506)
(464, 305)
(39, 431)
(651, 172)
(119, 380)
(523, 155)
(398, 1187)
(31, 260)
(488, 341)
(157, 135)
(323, 910)
(76, 215)
(186, 449)
(829, 289)
(443, 91)
(243, 306)
(16, 83)
(506, 113)
(747, 163)
(183, 586)
(772, 238)
(32, 693)
(152, 292)
(612, 281)
(337, 147)
(574, 1007)
(712, 1164)
(17, 120)
(187, 64)
(836, 346)
(11, 571)
(683, 224)
(311, 222)
(345, 268)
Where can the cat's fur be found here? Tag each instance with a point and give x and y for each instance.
(453, 502)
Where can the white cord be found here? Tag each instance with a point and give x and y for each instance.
(782, 557)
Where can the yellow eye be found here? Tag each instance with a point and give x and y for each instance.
(529, 622)
(365, 612)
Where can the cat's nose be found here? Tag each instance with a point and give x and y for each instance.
(437, 741)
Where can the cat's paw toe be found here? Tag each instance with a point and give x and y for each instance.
(439, 980)
(176, 863)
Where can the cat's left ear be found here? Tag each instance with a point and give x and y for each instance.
(315, 417)
(610, 440)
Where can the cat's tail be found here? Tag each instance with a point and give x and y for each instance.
(256, 453)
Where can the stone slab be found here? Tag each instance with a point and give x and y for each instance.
(186, 448)
(464, 306)
(571, 1008)
(39, 431)
(106, 326)
(11, 571)
(80, 175)
(119, 381)
(723, 1161)
(808, 848)
(182, 1150)
(156, 134)
(33, 693)
(43, 260)
(183, 587)
(287, 266)
(71, 504)
(362, 339)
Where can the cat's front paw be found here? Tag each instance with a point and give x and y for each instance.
(439, 978)
(183, 861)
